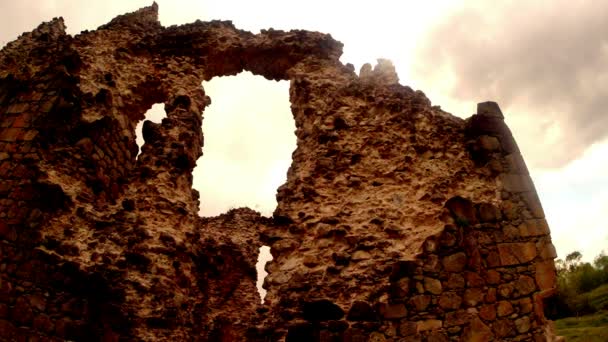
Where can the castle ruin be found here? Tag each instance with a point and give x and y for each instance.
(397, 222)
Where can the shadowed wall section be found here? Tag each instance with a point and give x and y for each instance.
(397, 221)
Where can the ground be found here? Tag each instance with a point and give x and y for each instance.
(589, 328)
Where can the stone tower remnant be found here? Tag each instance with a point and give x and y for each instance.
(397, 222)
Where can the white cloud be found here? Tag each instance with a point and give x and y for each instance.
(575, 199)
(546, 66)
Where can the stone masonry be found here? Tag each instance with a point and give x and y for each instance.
(397, 222)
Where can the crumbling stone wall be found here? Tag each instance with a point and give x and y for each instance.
(398, 221)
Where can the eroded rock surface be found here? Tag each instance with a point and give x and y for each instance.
(398, 221)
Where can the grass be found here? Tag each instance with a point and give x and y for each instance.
(598, 298)
(589, 328)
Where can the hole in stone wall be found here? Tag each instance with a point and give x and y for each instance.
(249, 137)
(155, 114)
(263, 258)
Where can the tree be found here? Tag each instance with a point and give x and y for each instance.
(575, 281)
(573, 259)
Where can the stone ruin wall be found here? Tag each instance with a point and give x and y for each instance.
(397, 222)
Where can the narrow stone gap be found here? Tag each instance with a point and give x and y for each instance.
(155, 114)
(248, 141)
(263, 258)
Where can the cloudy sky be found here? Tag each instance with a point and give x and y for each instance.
(544, 62)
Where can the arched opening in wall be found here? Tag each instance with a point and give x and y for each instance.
(248, 141)
(155, 114)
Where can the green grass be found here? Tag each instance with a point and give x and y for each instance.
(589, 328)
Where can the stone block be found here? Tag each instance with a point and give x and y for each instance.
(432, 285)
(455, 281)
(516, 253)
(420, 302)
(492, 277)
(546, 275)
(488, 143)
(474, 262)
(473, 279)
(489, 108)
(392, 311)
(547, 250)
(516, 182)
(455, 262)
(525, 306)
(400, 288)
(22, 312)
(48, 105)
(503, 328)
(10, 134)
(450, 300)
(477, 331)
(22, 121)
(490, 295)
(505, 290)
(458, 317)
(510, 233)
(533, 227)
(429, 324)
(29, 135)
(493, 259)
(43, 323)
(350, 335)
(504, 308)
(516, 164)
(437, 336)
(488, 213)
(463, 211)
(472, 297)
(7, 122)
(510, 210)
(310, 261)
(407, 328)
(525, 285)
(488, 312)
(522, 324)
(533, 203)
(7, 330)
(18, 107)
(373, 337)
(361, 311)
(486, 125)
(38, 302)
(360, 255)
(495, 166)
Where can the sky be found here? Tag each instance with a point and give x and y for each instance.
(544, 62)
